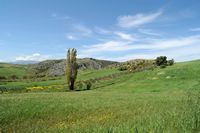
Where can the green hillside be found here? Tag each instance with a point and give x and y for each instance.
(160, 100)
(8, 70)
(57, 81)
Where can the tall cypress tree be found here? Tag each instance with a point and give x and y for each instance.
(71, 68)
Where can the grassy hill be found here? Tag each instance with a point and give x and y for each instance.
(8, 70)
(160, 100)
(57, 81)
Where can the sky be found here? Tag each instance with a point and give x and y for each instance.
(119, 30)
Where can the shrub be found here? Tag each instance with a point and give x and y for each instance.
(161, 60)
(79, 86)
(170, 62)
(83, 85)
(136, 65)
(122, 68)
(88, 85)
(163, 66)
(14, 77)
(41, 76)
(2, 78)
(3, 89)
(25, 77)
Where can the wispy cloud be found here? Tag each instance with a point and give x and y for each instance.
(9, 34)
(156, 45)
(123, 40)
(85, 31)
(33, 57)
(181, 15)
(149, 32)
(79, 31)
(195, 29)
(106, 46)
(71, 37)
(125, 36)
(138, 19)
(177, 42)
(60, 17)
(187, 13)
(53, 15)
(102, 31)
(180, 54)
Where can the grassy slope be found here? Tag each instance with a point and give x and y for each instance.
(151, 101)
(82, 75)
(8, 70)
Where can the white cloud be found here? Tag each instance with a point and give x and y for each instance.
(158, 46)
(54, 15)
(102, 31)
(179, 54)
(187, 13)
(79, 32)
(133, 56)
(85, 31)
(9, 34)
(107, 46)
(195, 29)
(71, 37)
(149, 32)
(33, 57)
(137, 20)
(125, 36)
(174, 43)
(66, 17)
(60, 17)
(84, 55)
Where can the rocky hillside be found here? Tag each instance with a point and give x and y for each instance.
(57, 67)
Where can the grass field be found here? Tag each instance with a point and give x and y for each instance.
(160, 100)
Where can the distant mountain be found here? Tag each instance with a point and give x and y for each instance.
(57, 67)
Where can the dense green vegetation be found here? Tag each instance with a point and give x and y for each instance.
(160, 100)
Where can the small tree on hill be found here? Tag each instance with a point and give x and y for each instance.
(2, 78)
(71, 68)
(170, 62)
(14, 77)
(161, 60)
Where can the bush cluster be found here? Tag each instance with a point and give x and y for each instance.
(3, 89)
(170, 62)
(19, 88)
(163, 62)
(14, 77)
(83, 85)
(136, 65)
(2, 78)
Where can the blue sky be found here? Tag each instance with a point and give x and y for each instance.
(105, 29)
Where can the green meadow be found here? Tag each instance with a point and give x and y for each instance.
(152, 101)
